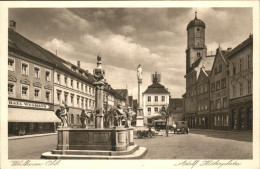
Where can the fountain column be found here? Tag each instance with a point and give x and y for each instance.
(139, 118)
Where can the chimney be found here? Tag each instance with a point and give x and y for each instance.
(12, 25)
(229, 49)
(79, 64)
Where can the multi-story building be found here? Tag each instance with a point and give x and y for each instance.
(124, 94)
(74, 86)
(203, 116)
(154, 97)
(240, 85)
(219, 88)
(30, 86)
(196, 58)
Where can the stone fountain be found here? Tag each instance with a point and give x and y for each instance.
(97, 143)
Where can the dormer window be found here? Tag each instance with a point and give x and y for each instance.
(10, 64)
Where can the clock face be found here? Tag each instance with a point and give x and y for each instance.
(198, 29)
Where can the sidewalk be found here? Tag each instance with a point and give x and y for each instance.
(222, 131)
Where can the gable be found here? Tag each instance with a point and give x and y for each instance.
(219, 58)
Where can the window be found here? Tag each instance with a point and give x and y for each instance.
(36, 94)
(218, 103)
(58, 96)
(225, 102)
(25, 92)
(93, 103)
(240, 65)
(86, 104)
(249, 86)
(241, 89)
(10, 89)
(78, 85)
(216, 70)
(65, 81)
(220, 68)
(218, 85)
(82, 87)
(234, 68)
(58, 78)
(25, 68)
(72, 119)
(36, 72)
(163, 98)
(72, 99)
(71, 83)
(89, 103)
(47, 96)
(149, 98)
(225, 120)
(149, 110)
(212, 105)
(82, 102)
(78, 119)
(213, 87)
(86, 88)
(10, 64)
(156, 109)
(93, 90)
(223, 83)
(66, 97)
(47, 75)
(248, 61)
(89, 90)
(156, 98)
(78, 101)
(234, 91)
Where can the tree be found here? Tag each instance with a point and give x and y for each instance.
(166, 112)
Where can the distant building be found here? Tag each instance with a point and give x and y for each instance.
(124, 94)
(154, 97)
(176, 108)
(219, 99)
(203, 92)
(74, 86)
(30, 87)
(241, 86)
(196, 58)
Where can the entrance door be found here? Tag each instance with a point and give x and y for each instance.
(249, 118)
(206, 122)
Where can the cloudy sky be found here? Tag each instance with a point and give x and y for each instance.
(127, 37)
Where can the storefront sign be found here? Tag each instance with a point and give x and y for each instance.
(28, 104)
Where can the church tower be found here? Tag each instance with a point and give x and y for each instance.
(196, 47)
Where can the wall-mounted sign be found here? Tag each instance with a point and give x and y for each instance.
(28, 104)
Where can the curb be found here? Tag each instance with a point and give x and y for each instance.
(222, 131)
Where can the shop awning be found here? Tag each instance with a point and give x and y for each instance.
(29, 115)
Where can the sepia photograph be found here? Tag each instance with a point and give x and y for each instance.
(96, 82)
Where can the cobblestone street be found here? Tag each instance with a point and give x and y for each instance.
(199, 144)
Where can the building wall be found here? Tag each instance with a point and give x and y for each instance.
(203, 117)
(153, 104)
(80, 95)
(219, 99)
(241, 87)
(30, 80)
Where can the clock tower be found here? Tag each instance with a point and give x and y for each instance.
(196, 47)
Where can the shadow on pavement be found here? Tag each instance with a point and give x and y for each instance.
(248, 137)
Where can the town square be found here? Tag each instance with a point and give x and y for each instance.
(131, 83)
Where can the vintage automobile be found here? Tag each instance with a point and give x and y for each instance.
(159, 125)
(180, 127)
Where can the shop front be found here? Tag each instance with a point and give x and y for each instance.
(241, 112)
(25, 117)
(191, 118)
(220, 119)
(203, 121)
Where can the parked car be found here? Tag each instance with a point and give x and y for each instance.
(181, 127)
(159, 125)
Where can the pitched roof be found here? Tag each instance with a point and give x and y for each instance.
(244, 44)
(156, 88)
(122, 92)
(176, 102)
(21, 44)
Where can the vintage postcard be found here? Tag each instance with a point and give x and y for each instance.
(128, 84)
